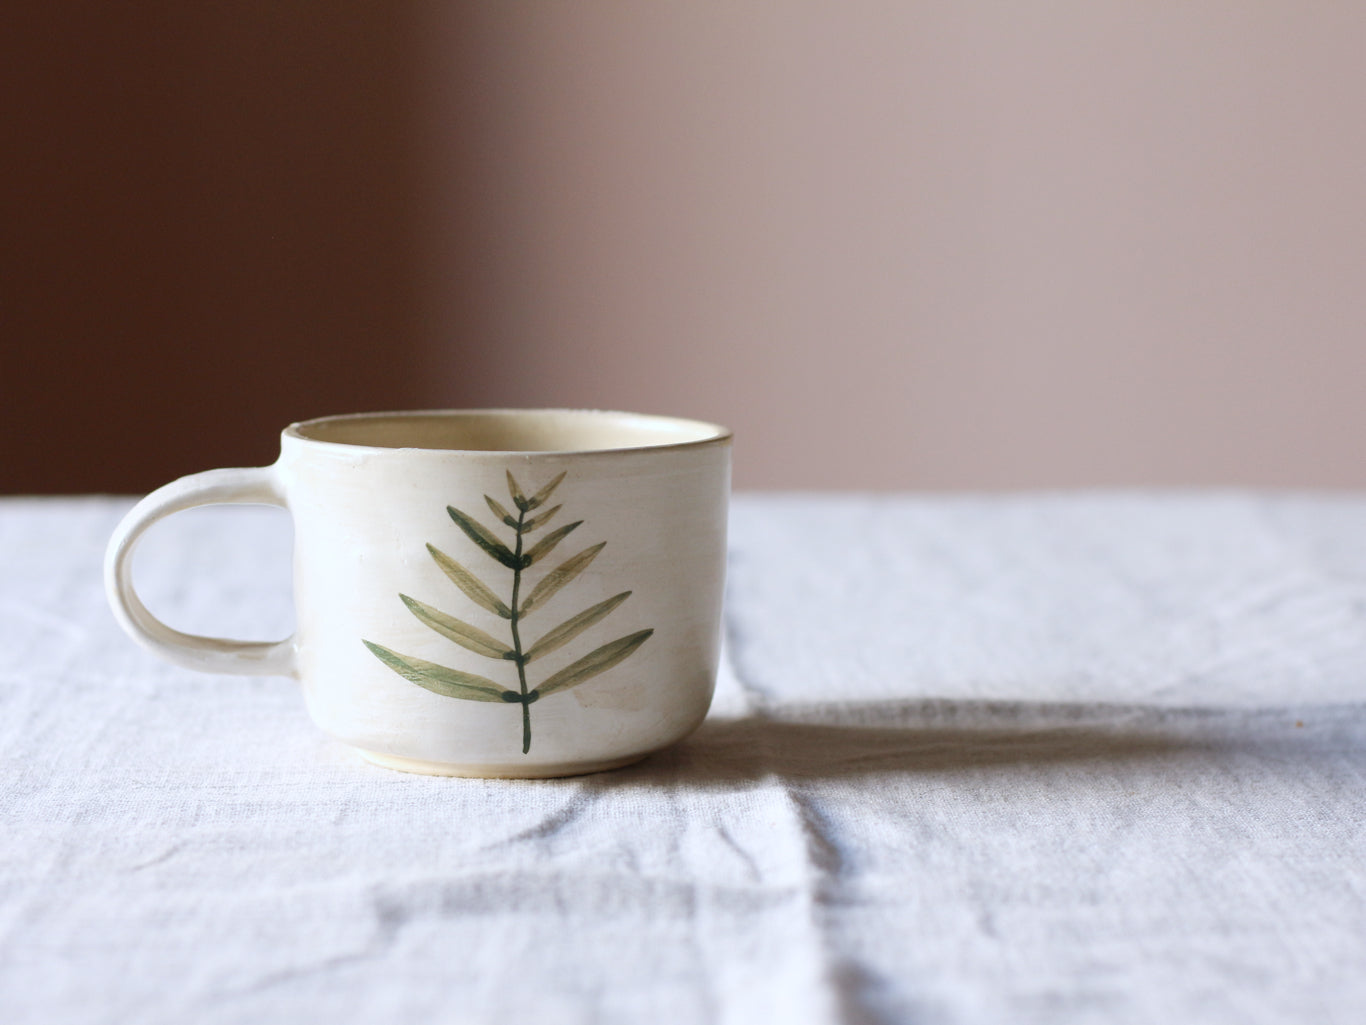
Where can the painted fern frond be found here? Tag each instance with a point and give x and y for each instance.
(517, 558)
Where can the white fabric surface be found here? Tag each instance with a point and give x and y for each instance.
(1053, 759)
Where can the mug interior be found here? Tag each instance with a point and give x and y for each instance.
(509, 430)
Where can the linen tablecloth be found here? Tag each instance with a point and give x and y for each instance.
(1032, 758)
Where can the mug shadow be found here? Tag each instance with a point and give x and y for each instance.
(923, 736)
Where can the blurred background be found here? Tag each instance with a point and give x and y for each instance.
(954, 245)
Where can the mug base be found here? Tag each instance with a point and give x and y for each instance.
(503, 771)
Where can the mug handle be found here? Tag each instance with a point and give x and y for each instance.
(246, 486)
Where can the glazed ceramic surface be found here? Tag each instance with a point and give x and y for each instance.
(489, 593)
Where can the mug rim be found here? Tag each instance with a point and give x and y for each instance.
(711, 433)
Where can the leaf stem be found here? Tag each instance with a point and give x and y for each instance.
(516, 637)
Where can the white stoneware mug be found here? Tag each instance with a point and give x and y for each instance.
(481, 593)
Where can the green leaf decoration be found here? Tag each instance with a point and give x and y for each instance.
(456, 683)
(518, 499)
(500, 512)
(571, 628)
(598, 661)
(541, 520)
(439, 679)
(543, 547)
(558, 577)
(463, 634)
(484, 538)
(474, 589)
(538, 499)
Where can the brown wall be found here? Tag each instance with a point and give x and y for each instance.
(208, 224)
(894, 244)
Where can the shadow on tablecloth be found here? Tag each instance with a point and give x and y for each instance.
(943, 736)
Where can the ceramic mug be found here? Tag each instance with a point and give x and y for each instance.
(481, 593)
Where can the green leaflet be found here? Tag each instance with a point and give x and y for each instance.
(484, 538)
(541, 520)
(439, 679)
(595, 662)
(535, 501)
(571, 628)
(518, 499)
(500, 512)
(477, 591)
(463, 634)
(538, 499)
(543, 547)
(558, 577)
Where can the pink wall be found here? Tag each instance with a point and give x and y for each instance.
(972, 244)
(908, 244)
